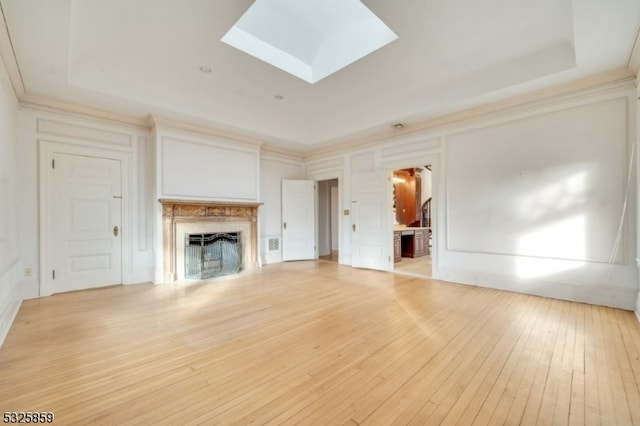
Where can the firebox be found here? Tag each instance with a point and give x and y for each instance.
(212, 255)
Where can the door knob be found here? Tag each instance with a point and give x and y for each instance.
(116, 230)
(285, 226)
(353, 227)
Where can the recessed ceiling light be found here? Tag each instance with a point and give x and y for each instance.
(205, 69)
(398, 126)
(279, 97)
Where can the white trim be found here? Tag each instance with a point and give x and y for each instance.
(637, 310)
(281, 157)
(166, 125)
(42, 104)
(558, 96)
(11, 71)
(338, 175)
(46, 151)
(10, 310)
(634, 56)
(9, 315)
(435, 160)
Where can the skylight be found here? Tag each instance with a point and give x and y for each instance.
(310, 39)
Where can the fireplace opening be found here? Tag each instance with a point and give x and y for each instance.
(212, 255)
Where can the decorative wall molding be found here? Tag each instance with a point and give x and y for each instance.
(84, 133)
(598, 84)
(634, 56)
(326, 166)
(184, 163)
(275, 154)
(44, 104)
(167, 124)
(8, 312)
(145, 193)
(8, 58)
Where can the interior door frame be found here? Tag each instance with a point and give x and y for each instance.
(437, 173)
(319, 177)
(46, 151)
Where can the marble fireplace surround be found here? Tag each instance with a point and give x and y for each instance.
(180, 217)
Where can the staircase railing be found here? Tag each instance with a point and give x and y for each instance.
(426, 213)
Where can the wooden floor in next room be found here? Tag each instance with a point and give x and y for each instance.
(315, 342)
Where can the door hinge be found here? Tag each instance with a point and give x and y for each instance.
(53, 274)
(53, 164)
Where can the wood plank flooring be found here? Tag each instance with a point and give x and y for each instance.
(320, 343)
(419, 266)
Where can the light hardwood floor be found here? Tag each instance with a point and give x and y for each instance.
(419, 266)
(316, 342)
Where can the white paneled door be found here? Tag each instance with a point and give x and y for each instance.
(86, 249)
(298, 220)
(370, 233)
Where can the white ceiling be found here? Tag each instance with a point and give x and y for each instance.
(145, 56)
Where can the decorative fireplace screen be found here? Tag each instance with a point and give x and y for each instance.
(212, 255)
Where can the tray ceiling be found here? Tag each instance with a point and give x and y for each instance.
(165, 58)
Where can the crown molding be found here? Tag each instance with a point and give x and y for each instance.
(634, 56)
(10, 71)
(608, 81)
(155, 122)
(268, 152)
(44, 104)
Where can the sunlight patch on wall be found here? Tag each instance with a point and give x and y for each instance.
(558, 242)
(562, 240)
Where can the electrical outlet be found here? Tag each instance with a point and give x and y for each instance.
(27, 272)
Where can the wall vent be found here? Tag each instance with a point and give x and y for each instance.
(274, 244)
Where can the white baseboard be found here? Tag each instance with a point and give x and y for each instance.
(7, 317)
(29, 289)
(614, 297)
(10, 309)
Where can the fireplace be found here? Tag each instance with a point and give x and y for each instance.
(212, 255)
(214, 227)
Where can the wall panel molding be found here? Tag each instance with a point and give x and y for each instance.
(84, 133)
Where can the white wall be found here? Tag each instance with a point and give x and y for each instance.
(9, 193)
(506, 187)
(207, 168)
(637, 170)
(274, 168)
(534, 204)
(40, 130)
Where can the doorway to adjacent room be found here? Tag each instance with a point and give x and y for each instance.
(328, 220)
(413, 220)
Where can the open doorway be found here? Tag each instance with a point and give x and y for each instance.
(328, 211)
(413, 221)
